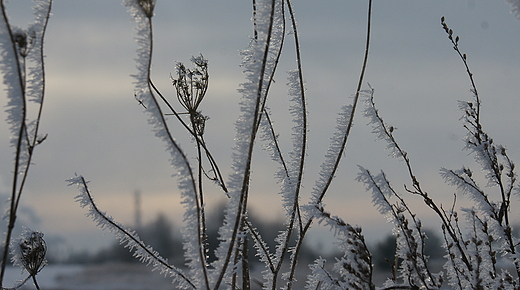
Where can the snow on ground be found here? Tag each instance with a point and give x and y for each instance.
(93, 277)
(107, 277)
(114, 276)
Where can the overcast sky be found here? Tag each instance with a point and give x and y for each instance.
(95, 127)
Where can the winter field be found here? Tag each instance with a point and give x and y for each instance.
(124, 276)
(82, 277)
(117, 276)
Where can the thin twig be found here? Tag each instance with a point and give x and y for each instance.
(346, 134)
(131, 237)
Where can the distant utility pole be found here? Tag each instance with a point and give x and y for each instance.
(137, 214)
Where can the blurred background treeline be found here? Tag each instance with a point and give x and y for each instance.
(166, 238)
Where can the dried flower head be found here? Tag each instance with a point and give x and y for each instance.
(199, 122)
(29, 251)
(147, 6)
(192, 84)
(23, 41)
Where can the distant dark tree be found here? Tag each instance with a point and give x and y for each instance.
(384, 251)
(159, 234)
(114, 253)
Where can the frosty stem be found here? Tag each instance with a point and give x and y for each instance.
(200, 230)
(142, 12)
(217, 177)
(20, 46)
(259, 104)
(35, 282)
(337, 158)
(294, 211)
(14, 190)
(387, 134)
(488, 155)
(147, 254)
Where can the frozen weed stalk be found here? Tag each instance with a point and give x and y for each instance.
(472, 248)
(29, 253)
(22, 66)
(191, 86)
(230, 268)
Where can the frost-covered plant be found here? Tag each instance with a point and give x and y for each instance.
(191, 86)
(28, 252)
(22, 65)
(471, 256)
(230, 268)
(410, 239)
(499, 171)
(355, 267)
(472, 248)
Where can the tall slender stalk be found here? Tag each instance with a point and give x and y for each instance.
(144, 84)
(20, 137)
(20, 46)
(294, 211)
(320, 192)
(244, 190)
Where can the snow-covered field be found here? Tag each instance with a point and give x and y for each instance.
(112, 277)
(97, 277)
(93, 277)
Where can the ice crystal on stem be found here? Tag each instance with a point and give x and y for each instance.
(354, 267)
(22, 65)
(515, 7)
(413, 268)
(258, 66)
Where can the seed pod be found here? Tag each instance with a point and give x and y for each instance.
(147, 6)
(29, 251)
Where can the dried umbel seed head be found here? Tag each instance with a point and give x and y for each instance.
(192, 84)
(29, 251)
(20, 39)
(23, 41)
(199, 122)
(147, 6)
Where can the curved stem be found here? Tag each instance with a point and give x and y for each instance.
(23, 134)
(346, 134)
(19, 144)
(354, 105)
(295, 211)
(136, 241)
(202, 225)
(171, 141)
(35, 282)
